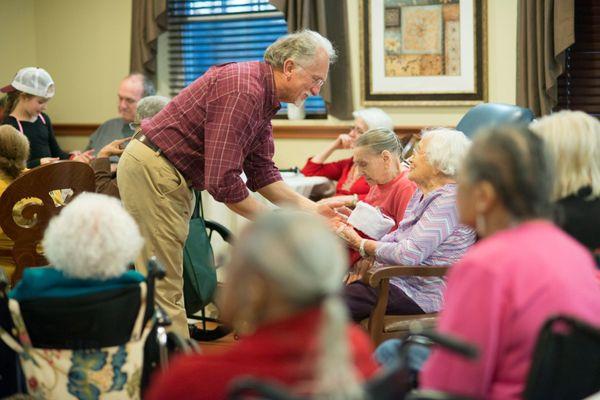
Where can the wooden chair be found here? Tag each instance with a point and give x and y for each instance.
(381, 326)
(28, 206)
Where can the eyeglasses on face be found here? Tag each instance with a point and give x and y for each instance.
(316, 81)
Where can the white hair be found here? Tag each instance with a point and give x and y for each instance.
(149, 106)
(92, 238)
(296, 251)
(446, 149)
(573, 137)
(299, 46)
(374, 118)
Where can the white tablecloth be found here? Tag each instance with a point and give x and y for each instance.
(220, 213)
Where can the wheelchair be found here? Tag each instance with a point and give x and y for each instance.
(101, 343)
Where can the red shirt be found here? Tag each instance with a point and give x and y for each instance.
(219, 126)
(392, 197)
(283, 351)
(338, 171)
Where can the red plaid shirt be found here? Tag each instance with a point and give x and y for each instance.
(219, 126)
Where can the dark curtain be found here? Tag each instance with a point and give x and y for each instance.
(148, 20)
(546, 28)
(328, 17)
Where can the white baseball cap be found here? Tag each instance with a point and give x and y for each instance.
(32, 80)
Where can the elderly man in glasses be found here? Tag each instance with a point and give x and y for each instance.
(215, 129)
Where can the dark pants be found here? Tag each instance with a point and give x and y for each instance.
(361, 300)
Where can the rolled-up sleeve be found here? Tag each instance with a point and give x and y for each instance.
(258, 165)
(228, 117)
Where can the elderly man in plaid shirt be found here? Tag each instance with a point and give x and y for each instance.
(215, 129)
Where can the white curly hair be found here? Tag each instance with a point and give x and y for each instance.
(92, 238)
(446, 149)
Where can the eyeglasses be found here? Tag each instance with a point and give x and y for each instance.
(316, 81)
(134, 126)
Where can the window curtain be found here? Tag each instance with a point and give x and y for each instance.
(148, 20)
(328, 17)
(545, 31)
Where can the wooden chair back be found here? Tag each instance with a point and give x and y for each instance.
(31, 200)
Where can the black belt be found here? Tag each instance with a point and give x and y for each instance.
(144, 139)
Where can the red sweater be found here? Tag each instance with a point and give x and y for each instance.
(338, 171)
(282, 352)
(392, 198)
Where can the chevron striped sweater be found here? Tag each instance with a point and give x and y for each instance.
(429, 234)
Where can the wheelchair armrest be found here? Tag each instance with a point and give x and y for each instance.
(242, 387)
(433, 395)
(374, 276)
(220, 229)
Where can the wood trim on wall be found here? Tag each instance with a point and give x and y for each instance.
(279, 131)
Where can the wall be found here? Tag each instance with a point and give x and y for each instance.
(18, 40)
(85, 46)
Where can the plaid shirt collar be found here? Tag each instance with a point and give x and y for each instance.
(272, 105)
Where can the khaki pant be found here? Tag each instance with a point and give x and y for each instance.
(157, 196)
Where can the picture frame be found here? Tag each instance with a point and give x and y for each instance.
(423, 52)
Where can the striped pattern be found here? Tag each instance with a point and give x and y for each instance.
(429, 234)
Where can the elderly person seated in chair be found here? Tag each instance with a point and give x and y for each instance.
(522, 271)
(351, 186)
(283, 291)
(104, 165)
(14, 153)
(573, 140)
(89, 246)
(429, 233)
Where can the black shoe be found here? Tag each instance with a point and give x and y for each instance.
(208, 335)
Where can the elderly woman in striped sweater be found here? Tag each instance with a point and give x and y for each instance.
(429, 233)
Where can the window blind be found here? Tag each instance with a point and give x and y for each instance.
(207, 33)
(579, 85)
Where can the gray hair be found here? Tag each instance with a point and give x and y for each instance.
(574, 138)
(374, 118)
(515, 162)
(149, 106)
(446, 149)
(147, 84)
(92, 238)
(299, 46)
(380, 139)
(297, 252)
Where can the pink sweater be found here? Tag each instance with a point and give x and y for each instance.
(498, 297)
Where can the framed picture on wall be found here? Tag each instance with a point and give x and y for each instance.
(423, 52)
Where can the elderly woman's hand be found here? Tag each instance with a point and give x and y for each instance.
(344, 141)
(359, 269)
(348, 233)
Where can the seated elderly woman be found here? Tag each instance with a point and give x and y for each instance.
(429, 233)
(14, 153)
(521, 272)
(104, 171)
(284, 287)
(89, 246)
(573, 140)
(351, 186)
(377, 156)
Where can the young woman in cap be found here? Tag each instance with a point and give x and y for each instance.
(24, 106)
